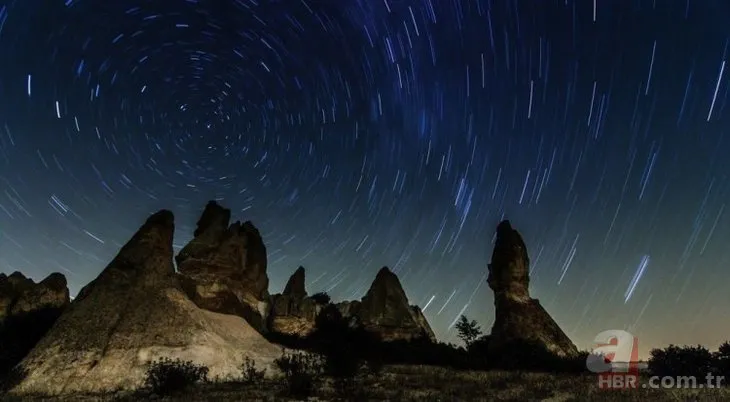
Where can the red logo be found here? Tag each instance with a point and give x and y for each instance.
(616, 360)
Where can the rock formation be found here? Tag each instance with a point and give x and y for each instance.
(136, 311)
(27, 311)
(20, 295)
(519, 318)
(384, 310)
(225, 267)
(292, 312)
(296, 286)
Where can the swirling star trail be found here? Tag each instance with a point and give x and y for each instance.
(363, 133)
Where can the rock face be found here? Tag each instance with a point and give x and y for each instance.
(224, 267)
(292, 312)
(520, 318)
(295, 286)
(20, 295)
(135, 311)
(384, 310)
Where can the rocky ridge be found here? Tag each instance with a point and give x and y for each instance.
(215, 308)
(134, 312)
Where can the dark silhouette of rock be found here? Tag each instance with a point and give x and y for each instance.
(27, 311)
(384, 310)
(292, 312)
(136, 311)
(225, 267)
(10, 287)
(519, 318)
(20, 295)
(295, 285)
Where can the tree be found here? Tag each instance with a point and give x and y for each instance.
(469, 331)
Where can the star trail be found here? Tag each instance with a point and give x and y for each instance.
(362, 133)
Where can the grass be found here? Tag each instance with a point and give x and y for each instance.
(426, 383)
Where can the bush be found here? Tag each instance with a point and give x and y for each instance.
(683, 361)
(167, 376)
(721, 360)
(302, 372)
(321, 298)
(250, 374)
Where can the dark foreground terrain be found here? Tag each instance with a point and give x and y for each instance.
(425, 383)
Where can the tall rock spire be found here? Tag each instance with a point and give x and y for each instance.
(519, 318)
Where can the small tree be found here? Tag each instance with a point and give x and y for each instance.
(468, 330)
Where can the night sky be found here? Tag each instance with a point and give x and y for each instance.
(362, 133)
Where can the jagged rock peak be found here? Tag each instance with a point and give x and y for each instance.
(385, 310)
(386, 290)
(150, 245)
(510, 267)
(224, 267)
(386, 278)
(295, 287)
(55, 280)
(214, 219)
(21, 295)
(17, 278)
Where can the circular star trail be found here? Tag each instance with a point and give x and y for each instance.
(359, 134)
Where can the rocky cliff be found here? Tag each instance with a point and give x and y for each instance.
(136, 311)
(224, 267)
(519, 318)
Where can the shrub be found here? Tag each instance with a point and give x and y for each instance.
(167, 376)
(250, 374)
(302, 372)
(321, 298)
(682, 361)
